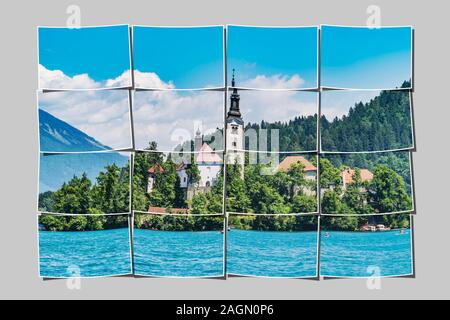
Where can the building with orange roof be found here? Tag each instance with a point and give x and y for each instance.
(309, 169)
(348, 174)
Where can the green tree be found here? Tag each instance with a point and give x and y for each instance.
(108, 193)
(193, 172)
(355, 196)
(73, 197)
(330, 176)
(387, 191)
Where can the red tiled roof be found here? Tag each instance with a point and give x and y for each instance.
(157, 168)
(290, 160)
(172, 210)
(347, 175)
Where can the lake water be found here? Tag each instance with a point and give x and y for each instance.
(92, 253)
(272, 254)
(178, 253)
(350, 254)
(200, 254)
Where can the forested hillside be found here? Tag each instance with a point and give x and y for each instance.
(384, 123)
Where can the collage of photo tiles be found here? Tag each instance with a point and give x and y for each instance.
(220, 151)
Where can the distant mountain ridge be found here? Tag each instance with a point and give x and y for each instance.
(56, 169)
(59, 136)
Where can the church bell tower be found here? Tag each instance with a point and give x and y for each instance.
(235, 130)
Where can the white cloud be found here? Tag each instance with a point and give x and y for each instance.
(56, 79)
(169, 117)
(103, 115)
(150, 80)
(272, 106)
(162, 116)
(276, 81)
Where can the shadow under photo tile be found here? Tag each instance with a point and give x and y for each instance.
(273, 246)
(84, 246)
(362, 247)
(174, 245)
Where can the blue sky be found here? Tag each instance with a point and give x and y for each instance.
(187, 57)
(101, 52)
(254, 51)
(337, 103)
(362, 58)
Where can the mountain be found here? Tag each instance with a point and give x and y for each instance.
(58, 136)
(384, 123)
(55, 169)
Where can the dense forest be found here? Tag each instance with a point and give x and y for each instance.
(398, 161)
(385, 193)
(278, 193)
(178, 223)
(83, 223)
(298, 134)
(384, 123)
(109, 194)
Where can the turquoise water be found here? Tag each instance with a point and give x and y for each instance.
(178, 254)
(272, 254)
(349, 254)
(93, 253)
(200, 254)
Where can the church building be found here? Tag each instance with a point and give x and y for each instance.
(208, 161)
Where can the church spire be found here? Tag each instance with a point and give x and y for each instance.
(233, 83)
(234, 112)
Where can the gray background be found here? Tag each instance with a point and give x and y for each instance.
(18, 132)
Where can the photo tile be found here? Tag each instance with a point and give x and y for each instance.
(271, 183)
(273, 246)
(170, 58)
(363, 247)
(272, 121)
(276, 58)
(84, 246)
(84, 183)
(366, 184)
(182, 121)
(178, 183)
(366, 58)
(84, 121)
(366, 121)
(84, 58)
(174, 245)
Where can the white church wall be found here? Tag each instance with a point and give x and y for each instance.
(208, 173)
(183, 178)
